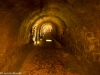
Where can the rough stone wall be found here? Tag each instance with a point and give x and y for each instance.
(12, 14)
(81, 16)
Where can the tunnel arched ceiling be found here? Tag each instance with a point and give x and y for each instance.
(58, 23)
(50, 12)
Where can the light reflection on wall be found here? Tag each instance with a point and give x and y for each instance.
(46, 28)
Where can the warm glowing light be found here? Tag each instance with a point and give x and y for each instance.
(48, 40)
(40, 39)
(47, 28)
(38, 42)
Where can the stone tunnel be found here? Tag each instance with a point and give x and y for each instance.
(49, 37)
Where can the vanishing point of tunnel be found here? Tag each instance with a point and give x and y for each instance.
(49, 37)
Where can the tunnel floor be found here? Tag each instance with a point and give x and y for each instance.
(47, 61)
(50, 58)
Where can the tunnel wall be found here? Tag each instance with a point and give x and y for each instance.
(53, 10)
(80, 16)
(26, 27)
(12, 14)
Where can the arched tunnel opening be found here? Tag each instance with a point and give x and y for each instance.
(47, 28)
(50, 37)
(58, 30)
(43, 36)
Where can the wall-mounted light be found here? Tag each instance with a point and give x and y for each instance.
(48, 40)
(38, 42)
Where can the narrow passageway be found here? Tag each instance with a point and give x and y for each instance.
(50, 37)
